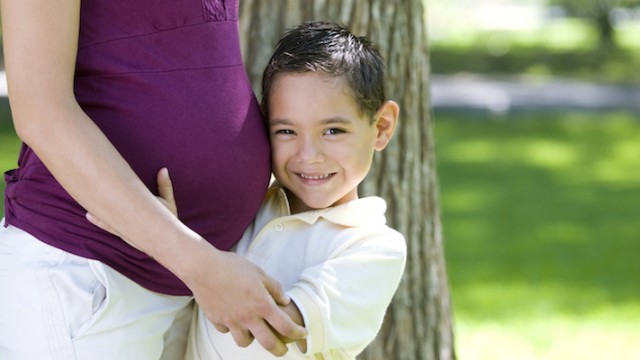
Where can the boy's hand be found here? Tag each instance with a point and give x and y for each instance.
(165, 191)
(294, 313)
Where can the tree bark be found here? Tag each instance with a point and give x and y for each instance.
(418, 324)
(606, 32)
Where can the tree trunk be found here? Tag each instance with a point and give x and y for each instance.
(606, 32)
(418, 324)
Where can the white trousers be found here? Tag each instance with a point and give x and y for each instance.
(55, 305)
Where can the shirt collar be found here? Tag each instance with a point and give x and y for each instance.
(366, 211)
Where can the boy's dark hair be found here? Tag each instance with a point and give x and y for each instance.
(332, 50)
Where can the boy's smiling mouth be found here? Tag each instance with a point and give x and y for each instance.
(315, 177)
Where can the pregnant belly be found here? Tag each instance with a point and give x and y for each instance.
(211, 138)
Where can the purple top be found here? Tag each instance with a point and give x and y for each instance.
(164, 80)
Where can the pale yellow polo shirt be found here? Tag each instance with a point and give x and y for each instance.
(340, 265)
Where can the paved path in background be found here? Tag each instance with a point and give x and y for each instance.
(501, 94)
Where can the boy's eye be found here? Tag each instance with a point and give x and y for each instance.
(334, 131)
(284, 131)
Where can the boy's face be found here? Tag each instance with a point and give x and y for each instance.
(322, 145)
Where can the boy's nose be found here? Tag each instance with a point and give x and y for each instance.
(310, 151)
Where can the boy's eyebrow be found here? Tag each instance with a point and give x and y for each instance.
(336, 120)
(333, 120)
(280, 122)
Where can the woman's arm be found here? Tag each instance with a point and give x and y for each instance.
(40, 41)
(40, 45)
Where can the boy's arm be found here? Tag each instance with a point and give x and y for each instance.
(343, 300)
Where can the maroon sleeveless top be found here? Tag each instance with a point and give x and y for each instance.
(164, 80)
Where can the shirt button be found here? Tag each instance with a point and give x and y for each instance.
(278, 227)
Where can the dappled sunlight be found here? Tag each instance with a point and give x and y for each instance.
(480, 342)
(540, 208)
(539, 298)
(621, 164)
(562, 34)
(549, 154)
(558, 338)
(540, 219)
(545, 321)
(473, 151)
(469, 201)
(628, 34)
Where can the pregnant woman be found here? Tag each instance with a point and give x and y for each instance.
(103, 94)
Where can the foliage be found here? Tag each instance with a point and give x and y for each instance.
(591, 7)
(540, 224)
(9, 146)
(619, 66)
(598, 12)
(562, 48)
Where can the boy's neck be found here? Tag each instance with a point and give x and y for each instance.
(297, 206)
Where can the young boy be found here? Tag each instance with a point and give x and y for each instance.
(323, 97)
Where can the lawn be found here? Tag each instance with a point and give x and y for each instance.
(540, 210)
(540, 215)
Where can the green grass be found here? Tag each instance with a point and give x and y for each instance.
(540, 214)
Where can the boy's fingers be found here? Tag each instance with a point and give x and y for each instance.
(165, 189)
(278, 319)
(282, 324)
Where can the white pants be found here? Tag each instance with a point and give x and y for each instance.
(55, 305)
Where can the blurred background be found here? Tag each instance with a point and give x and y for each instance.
(537, 125)
(536, 112)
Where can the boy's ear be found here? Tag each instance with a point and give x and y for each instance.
(386, 119)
